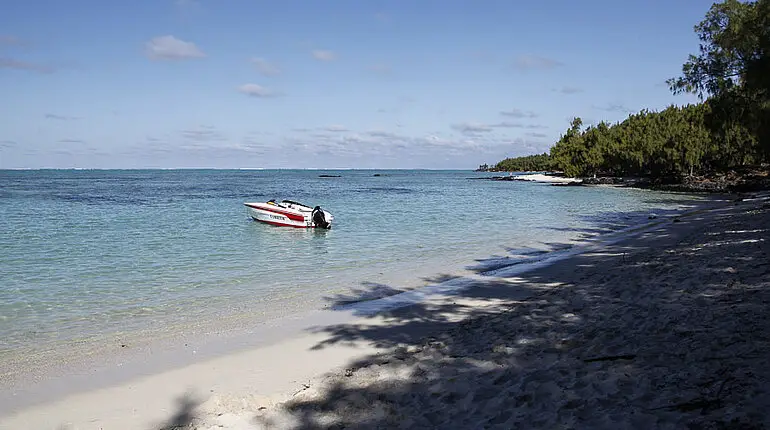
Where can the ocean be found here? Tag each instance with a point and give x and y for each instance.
(91, 256)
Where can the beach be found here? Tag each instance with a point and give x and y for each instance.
(108, 268)
(226, 216)
(668, 328)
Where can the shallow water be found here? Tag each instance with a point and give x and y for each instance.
(88, 254)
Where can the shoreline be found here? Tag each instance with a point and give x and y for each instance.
(141, 355)
(301, 340)
(108, 351)
(669, 329)
(666, 329)
(732, 182)
(133, 348)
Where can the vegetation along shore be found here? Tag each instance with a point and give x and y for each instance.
(720, 144)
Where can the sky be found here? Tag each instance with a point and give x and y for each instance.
(436, 84)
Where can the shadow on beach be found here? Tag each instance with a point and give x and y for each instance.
(185, 413)
(671, 329)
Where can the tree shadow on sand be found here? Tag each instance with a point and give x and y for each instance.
(184, 416)
(604, 226)
(671, 330)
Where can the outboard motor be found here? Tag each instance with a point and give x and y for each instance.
(319, 218)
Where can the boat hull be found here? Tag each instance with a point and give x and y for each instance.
(281, 216)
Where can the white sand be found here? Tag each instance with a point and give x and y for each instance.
(233, 383)
(668, 330)
(539, 177)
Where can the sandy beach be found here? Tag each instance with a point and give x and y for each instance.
(669, 328)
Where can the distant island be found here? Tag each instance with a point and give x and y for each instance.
(719, 144)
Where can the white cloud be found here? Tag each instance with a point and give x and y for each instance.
(375, 148)
(472, 127)
(518, 113)
(171, 48)
(527, 62)
(538, 135)
(265, 68)
(254, 90)
(204, 133)
(209, 142)
(336, 128)
(324, 55)
(15, 64)
(614, 107)
(378, 144)
(508, 124)
(383, 134)
(10, 63)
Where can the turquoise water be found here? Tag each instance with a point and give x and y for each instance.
(88, 254)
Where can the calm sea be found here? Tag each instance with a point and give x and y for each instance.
(88, 255)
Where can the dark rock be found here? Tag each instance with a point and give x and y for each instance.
(604, 180)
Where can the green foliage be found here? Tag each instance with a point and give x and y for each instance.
(530, 163)
(733, 70)
(733, 50)
(670, 143)
(730, 128)
(568, 153)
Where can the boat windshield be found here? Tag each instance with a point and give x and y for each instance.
(294, 203)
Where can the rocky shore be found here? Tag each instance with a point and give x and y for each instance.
(733, 181)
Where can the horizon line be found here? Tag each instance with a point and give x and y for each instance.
(228, 168)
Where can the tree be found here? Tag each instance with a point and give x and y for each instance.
(733, 68)
(666, 145)
(729, 50)
(530, 163)
(728, 129)
(567, 153)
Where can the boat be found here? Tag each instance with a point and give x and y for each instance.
(289, 213)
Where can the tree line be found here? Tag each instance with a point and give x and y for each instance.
(729, 128)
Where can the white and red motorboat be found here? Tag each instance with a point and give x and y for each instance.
(290, 214)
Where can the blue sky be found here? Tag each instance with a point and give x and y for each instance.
(324, 84)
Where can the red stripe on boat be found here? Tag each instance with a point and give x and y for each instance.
(280, 224)
(291, 216)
